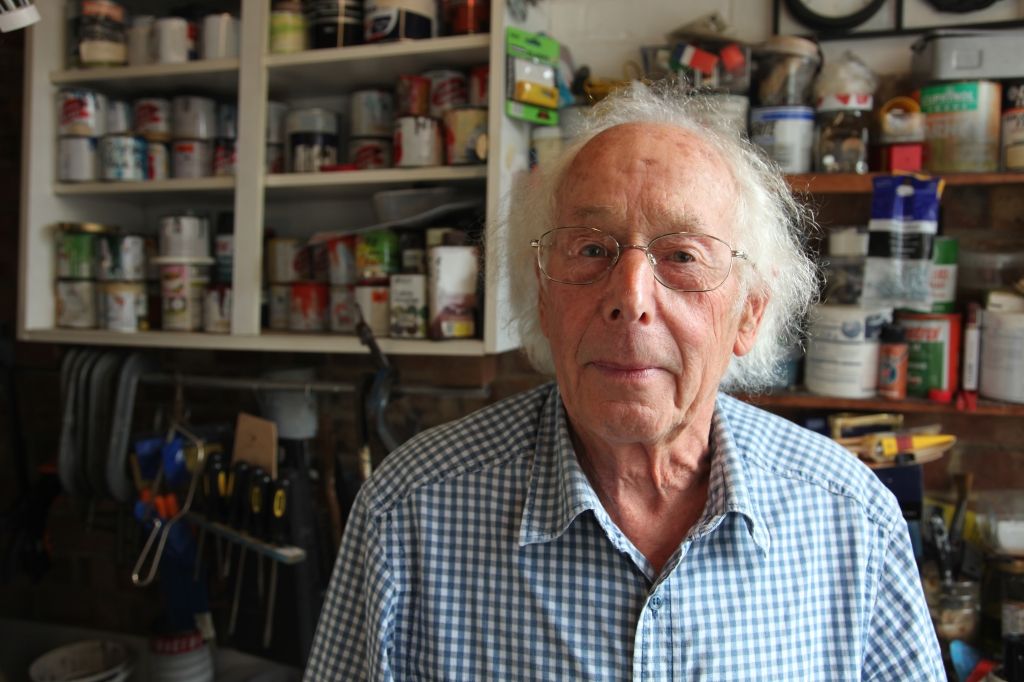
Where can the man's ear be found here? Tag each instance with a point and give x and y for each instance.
(750, 322)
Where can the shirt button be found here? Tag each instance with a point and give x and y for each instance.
(655, 602)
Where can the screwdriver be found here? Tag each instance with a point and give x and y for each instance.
(259, 499)
(280, 534)
(237, 502)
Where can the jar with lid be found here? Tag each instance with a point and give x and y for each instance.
(955, 610)
(785, 67)
(841, 133)
(1002, 614)
(287, 27)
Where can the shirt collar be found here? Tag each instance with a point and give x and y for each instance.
(559, 491)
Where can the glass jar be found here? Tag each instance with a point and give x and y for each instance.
(287, 27)
(956, 611)
(785, 71)
(841, 134)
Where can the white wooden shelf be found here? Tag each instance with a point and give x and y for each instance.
(343, 69)
(342, 183)
(221, 185)
(209, 76)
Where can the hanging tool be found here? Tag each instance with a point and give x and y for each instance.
(279, 531)
(940, 537)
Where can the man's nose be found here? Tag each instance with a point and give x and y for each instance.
(631, 287)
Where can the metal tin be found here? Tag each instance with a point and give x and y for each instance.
(307, 307)
(447, 90)
(123, 306)
(171, 39)
(465, 135)
(224, 254)
(786, 134)
(219, 36)
(412, 95)
(408, 304)
(152, 116)
(193, 118)
(399, 20)
(280, 299)
(1012, 129)
(191, 159)
(76, 248)
(76, 304)
(370, 152)
(120, 258)
(311, 151)
(182, 287)
(842, 350)
(273, 161)
(158, 161)
(453, 272)
(341, 260)
(467, 16)
(372, 113)
(123, 158)
(140, 40)
(99, 39)
(417, 142)
(227, 121)
(934, 354)
(184, 235)
(287, 28)
(372, 300)
(217, 309)
(962, 126)
(376, 255)
(77, 159)
(283, 253)
(119, 117)
(81, 112)
(225, 158)
(335, 23)
(479, 83)
(342, 313)
(276, 112)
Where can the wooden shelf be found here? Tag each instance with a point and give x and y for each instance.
(207, 76)
(359, 182)
(171, 186)
(851, 183)
(798, 400)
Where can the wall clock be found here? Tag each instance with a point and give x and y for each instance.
(833, 15)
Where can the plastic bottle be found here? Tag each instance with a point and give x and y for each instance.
(893, 352)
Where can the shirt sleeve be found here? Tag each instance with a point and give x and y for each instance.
(901, 642)
(354, 636)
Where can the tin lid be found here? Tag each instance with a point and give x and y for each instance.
(792, 45)
(92, 228)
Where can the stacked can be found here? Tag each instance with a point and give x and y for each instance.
(184, 264)
(76, 273)
(194, 129)
(334, 23)
(312, 136)
(152, 121)
(377, 259)
(217, 304)
(82, 119)
(342, 276)
(225, 153)
(298, 285)
(372, 115)
(97, 33)
(274, 161)
(121, 301)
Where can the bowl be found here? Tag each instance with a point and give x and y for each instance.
(399, 204)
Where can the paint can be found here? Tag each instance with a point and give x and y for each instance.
(467, 16)
(387, 20)
(99, 39)
(227, 121)
(81, 113)
(123, 306)
(465, 135)
(122, 158)
(342, 313)
(280, 296)
(307, 307)
(194, 118)
(334, 23)
(341, 260)
(376, 255)
(191, 159)
(158, 161)
(370, 152)
(842, 350)
(1002, 359)
(140, 40)
(417, 142)
(287, 28)
(273, 160)
(447, 90)
(372, 300)
(942, 274)
(152, 116)
(76, 304)
(76, 248)
(1012, 140)
(786, 134)
(171, 41)
(217, 309)
(312, 138)
(119, 117)
(452, 301)
(182, 289)
(408, 296)
(933, 369)
(219, 36)
(283, 255)
(77, 159)
(412, 95)
(893, 354)
(120, 258)
(961, 126)
(225, 158)
(276, 113)
(184, 235)
(479, 83)
(372, 112)
(224, 254)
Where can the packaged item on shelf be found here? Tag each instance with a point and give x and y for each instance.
(387, 20)
(280, 299)
(227, 121)
(224, 254)
(122, 306)
(372, 113)
(376, 255)
(191, 159)
(219, 36)
(334, 23)
(312, 139)
(417, 142)
(287, 27)
(194, 118)
(478, 85)
(370, 152)
(412, 95)
(786, 133)
(182, 289)
(76, 303)
(217, 309)
(140, 40)
(99, 37)
(122, 158)
(785, 67)
(119, 117)
(274, 161)
(82, 113)
(276, 113)
(152, 118)
(341, 259)
(120, 257)
(942, 274)
(841, 133)
(225, 157)
(77, 159)
(892, 363)
(307, 307)
(1012, 140)
(452, 298)
(412, 252)
(447, 90)
(184, 235)
(172, 43)
(285, 260)
(466, 135)
(372, 303)
(467, 16)
(408, 306)
(76, 248)
(844, 267)
(933, 367)
(158, 161)
(342, 313)
(1002, 357)
(962, 126)
(842, 350)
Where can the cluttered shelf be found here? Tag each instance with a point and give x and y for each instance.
(802, 400)
(853, 183)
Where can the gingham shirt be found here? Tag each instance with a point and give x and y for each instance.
(479, 551)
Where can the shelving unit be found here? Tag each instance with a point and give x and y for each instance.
(798, 400)
(851, 183)
(251, 80)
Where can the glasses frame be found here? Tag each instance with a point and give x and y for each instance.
(619, 248)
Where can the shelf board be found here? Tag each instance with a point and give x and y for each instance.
(343, 69)
(171, 186)
(267, 341)
(212, 76)
(852, 183)
(799, 400)
(341, 183)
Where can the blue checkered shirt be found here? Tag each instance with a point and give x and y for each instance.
(479, 551)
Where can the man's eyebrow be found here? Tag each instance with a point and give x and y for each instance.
(681, 219)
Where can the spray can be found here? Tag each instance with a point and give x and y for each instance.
(893, 352)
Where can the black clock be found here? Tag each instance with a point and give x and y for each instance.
(833, 15)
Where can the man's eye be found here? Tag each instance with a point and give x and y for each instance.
(679, 257)
(593, 251)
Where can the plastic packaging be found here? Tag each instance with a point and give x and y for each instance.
(786, 67)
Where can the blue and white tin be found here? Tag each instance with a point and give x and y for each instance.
(786, 134)
(122, 158)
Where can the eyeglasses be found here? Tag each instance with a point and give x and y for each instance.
(683, 261)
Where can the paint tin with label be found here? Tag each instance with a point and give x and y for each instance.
(182, 288)
(152, 117)
(225, 158)
(224, 254)
(1012, 140)
(140, 40)
(283, 254)
(933, 365)
(962, 126)
(219, 36)
(386, 20)
(412, 95)
(76, 248)
(307, 307)
(467, 16)
(158, 161)
(376, 255)
(786, 134)
(842, 350)
(119, 117)
(408, 306)
(194, 118)
(123, 306)
(217, 309)
(465, 135)
(479, 82)
(171, 39)
(123, 158)
(77, 159)
(373, 303)
(1002, 363)
(76, 304)
(417, 142)
(120, 258)
(81, 113)
(191, 159)
(373, 113)
(452, 301)
(276, 112)
(273, 161)
(280, 297)
(186, 235)
(334, 23)
(370, 152)
(341, 260)
(342, 313)
(227, 121)
(447, 90)
(312, 138)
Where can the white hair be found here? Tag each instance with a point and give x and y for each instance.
(770, 226)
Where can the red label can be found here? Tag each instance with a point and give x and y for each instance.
(412, 94)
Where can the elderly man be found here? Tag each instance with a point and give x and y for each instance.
(630, 521)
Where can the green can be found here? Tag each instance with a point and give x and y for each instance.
(76, 249)
(942, 276)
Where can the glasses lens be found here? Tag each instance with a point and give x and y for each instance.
(691, 262)
(576, 255)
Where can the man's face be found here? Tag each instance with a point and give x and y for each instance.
(636, 361)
